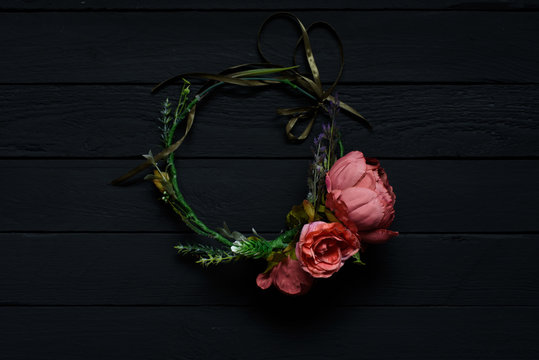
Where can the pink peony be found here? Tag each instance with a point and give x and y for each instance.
(288, 277)
(323, 248)
(361, 197)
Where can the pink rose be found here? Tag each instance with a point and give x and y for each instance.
(361, 197)
(288, 277)
(323, 248)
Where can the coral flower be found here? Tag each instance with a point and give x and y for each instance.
(323, 248)
(288, 277)
(360, 196)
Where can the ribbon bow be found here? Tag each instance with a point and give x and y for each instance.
(312, 85)
(249, 75)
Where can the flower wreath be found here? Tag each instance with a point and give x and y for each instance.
(349, 204)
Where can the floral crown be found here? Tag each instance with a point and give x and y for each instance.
(349, 202)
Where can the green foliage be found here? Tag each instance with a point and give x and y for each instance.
(255, 246)
(168, 184)
(357, 259)
(171, 120)
(232, 235)
(216, 259)
(182, 101)
(286, 237)
(305, 213)
(297, 216)
(258, 247)
(207, 255)
(252, 247)
(166, 120)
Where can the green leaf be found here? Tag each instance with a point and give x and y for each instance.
(357, 259)
(233, 235)
(285, 237)
(297, 216)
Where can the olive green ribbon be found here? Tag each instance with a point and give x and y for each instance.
(313, 85)
(248, 75)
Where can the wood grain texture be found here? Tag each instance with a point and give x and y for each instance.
(87, 270)
(384, 46)
(265, 5)
(432, 196)
(239, 333)
(409, 121)
(143, 269)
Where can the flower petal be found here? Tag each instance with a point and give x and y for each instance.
(264, 280)
(346, 171)
(378, 236)
(364, 208)
(291, 279)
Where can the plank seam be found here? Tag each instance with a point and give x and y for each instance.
(341, 83)
(23, 305)
(269, 158)
(268, 10)
(151, 232)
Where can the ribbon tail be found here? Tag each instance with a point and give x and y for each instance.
(131, 173)
(352, 111)
(293, 111)
(230, 76)
(189, 124)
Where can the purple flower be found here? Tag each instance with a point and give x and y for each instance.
(326, 128)
(318, 139)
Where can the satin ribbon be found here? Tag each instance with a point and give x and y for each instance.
(237, 75)
(313, 85)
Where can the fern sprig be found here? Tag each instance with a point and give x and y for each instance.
(252, 247)
(216, 259)
(166, 120)
(207, 255)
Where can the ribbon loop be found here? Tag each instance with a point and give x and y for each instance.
(304, 38)
(311, 115)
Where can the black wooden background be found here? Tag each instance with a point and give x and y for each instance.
(88, 271)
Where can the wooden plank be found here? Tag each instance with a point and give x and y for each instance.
(143, 269)
(380, 46)
(432, 195)
(409, 121)
(266, 5)
(283, 330)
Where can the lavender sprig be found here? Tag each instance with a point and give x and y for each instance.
(317, 169)
(325, 155)
(332, 132)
